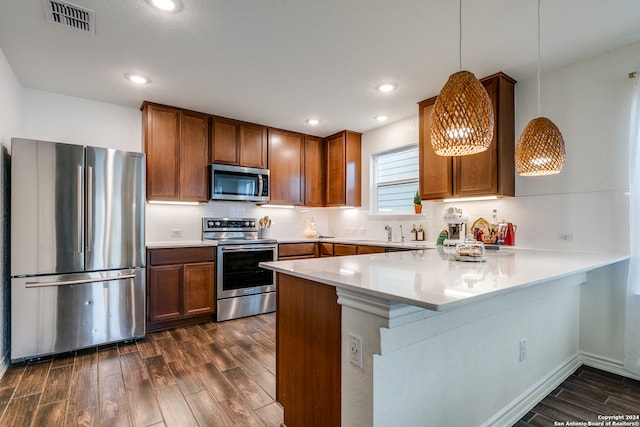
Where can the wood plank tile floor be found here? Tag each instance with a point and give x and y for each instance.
(212, 374)
(587, 394)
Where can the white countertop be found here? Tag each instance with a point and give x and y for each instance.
(434, 280)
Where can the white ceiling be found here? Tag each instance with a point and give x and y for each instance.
(279, 62)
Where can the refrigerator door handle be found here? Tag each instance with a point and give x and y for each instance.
(79, 209)
(89, 218)
(78, 281)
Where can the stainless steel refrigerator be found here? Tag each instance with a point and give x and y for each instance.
(77, 247)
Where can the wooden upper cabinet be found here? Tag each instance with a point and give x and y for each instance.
(314, 171)
(194, 150)
(286, 160)
(253, 146)
(343, 169)
(238, 143)
(436, 172)
(176, 145)
(484, 174)
(224, 141)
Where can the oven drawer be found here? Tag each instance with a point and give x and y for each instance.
(181, 255)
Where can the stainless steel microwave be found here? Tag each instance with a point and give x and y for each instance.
(239, 183)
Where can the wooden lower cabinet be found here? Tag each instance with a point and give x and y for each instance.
(308, 352)
(180, 286)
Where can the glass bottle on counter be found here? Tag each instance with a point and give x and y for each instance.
(420, 234)
(414, 233)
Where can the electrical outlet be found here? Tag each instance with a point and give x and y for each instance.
(355, 350)
(176, 233)
(567, 237)
(523, 350)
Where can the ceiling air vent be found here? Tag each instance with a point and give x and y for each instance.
(70, 15)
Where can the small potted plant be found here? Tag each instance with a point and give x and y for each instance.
(417, 203)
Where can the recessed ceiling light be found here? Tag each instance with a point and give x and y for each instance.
(382, 118)
(165, 5)
(387, 87)
(313, 122)
(137, 78)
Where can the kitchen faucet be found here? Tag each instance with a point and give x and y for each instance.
(389, 231)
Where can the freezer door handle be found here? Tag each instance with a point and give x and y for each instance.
(79, 208)
(89, 218)
(78, 281)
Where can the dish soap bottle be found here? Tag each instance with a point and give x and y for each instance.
(414, 233)
(420, 234)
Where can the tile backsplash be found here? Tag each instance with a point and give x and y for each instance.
(594, 220)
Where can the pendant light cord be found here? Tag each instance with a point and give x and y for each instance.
(460, 35)
(539, 108)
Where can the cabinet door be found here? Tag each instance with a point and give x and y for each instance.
(286, 150)
(492, 172)
(161, 129)
(314, 171)
(224, 141)
(164, 292)
(336, 178)
(253, 146)
(199, 288)
(325, 249)
(344, 169)
(477, 174)
(436, 172)
(194, 152)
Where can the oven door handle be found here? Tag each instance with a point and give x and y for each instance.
(247, 248)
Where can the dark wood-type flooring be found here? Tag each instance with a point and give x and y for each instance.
(212, 374)
(585, 395)
(221, 374)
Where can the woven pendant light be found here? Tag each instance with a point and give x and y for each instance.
(462, 118)
(540, 149)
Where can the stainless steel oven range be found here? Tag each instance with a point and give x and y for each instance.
(242, 287)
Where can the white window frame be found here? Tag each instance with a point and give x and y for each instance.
(375, 184)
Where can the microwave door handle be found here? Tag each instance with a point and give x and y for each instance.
(260, 185)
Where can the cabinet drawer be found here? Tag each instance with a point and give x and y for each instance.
(181, 255)
(366, 249)
(286, 250)
(340, 249)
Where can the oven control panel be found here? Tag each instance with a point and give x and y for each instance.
(229, 224)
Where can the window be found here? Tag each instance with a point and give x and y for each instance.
(395, 179)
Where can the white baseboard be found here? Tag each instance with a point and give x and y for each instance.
(519, 407)
(608, 365)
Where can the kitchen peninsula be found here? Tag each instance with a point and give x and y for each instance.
(416, 338)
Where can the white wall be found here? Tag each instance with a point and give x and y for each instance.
(9, 125)
(53, 117)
